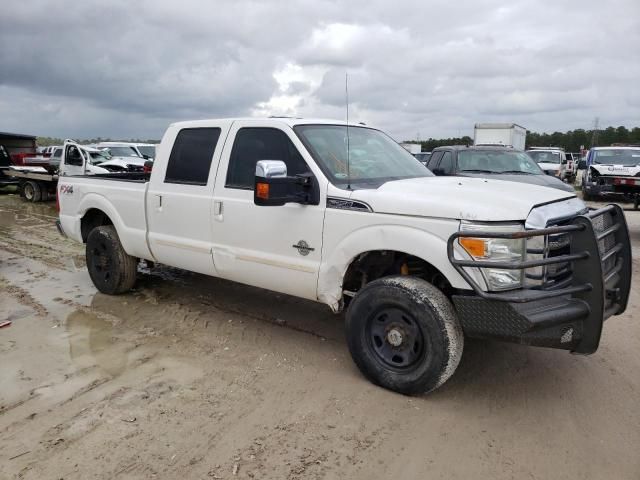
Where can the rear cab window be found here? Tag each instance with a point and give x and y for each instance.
(191, 156)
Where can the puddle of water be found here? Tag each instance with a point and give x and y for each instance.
(92, 342)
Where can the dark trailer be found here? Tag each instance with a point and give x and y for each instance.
(11, 146)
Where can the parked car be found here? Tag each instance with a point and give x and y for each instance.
(417, 260)
(423, 157)
(573, 158)
(127, 149)
(48, 151)
(553, 161)
(612, 171)
(498, 163)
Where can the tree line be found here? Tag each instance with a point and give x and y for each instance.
(48, 141)
(571, 140)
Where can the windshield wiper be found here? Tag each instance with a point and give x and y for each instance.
(518, 171)
(473, 170)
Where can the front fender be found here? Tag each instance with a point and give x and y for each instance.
(413, 241)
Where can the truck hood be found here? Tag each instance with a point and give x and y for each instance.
(617, 170)
(466, 198)
(542, 179)
(549, 166)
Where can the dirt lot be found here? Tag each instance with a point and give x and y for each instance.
(193, 377)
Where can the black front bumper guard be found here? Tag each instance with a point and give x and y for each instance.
(569, 317)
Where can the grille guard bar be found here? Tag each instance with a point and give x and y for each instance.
(606, 293)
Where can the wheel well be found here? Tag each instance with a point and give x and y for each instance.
(375, 264)
(92, 219)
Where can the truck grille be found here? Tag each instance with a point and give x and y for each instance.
(552, 276)
(583, 260)
(560, 275)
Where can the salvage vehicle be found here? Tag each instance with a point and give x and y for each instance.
(146, 151)
(552, 160)
(38, 183)
(612, 171)
(341, 214)
(498, 163)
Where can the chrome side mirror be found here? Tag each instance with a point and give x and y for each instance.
(271, 169)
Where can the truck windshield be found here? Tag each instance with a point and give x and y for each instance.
(498, 162)
(148, 150)
(99, 157)
(374, 157)
(615, 156)
(544, 157)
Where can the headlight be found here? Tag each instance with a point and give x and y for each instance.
(498, 250)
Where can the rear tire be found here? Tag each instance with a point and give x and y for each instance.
(404, 335)
(111, 269)
(31, 191)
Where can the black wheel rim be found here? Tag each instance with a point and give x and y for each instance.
(395, 339)
(101, 260)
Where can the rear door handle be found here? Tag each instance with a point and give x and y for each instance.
(218, 209)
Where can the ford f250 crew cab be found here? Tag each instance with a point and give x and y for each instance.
(345, 216)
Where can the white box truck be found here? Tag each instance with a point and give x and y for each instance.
(507, 134)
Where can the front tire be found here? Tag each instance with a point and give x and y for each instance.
(111, 269)
(404, 335)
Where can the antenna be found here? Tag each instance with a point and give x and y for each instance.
(594, 134)
(346, 92)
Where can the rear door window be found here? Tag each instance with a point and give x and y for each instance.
(191, 156)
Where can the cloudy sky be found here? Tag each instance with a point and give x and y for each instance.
(120, 68)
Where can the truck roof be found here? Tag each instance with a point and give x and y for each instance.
(628, 147)
(496, 147)
(290, 121)
(498, 125)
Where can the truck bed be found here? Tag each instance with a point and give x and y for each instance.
(121, 196)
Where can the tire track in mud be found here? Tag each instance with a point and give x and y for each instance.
(23, 297)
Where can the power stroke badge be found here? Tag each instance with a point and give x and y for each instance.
(303, 248)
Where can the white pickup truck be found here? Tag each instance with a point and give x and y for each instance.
(345, 216)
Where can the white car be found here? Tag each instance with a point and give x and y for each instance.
(418, 261)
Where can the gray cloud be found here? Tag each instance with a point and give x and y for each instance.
(83, 69)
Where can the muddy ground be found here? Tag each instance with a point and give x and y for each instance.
(193, 377)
